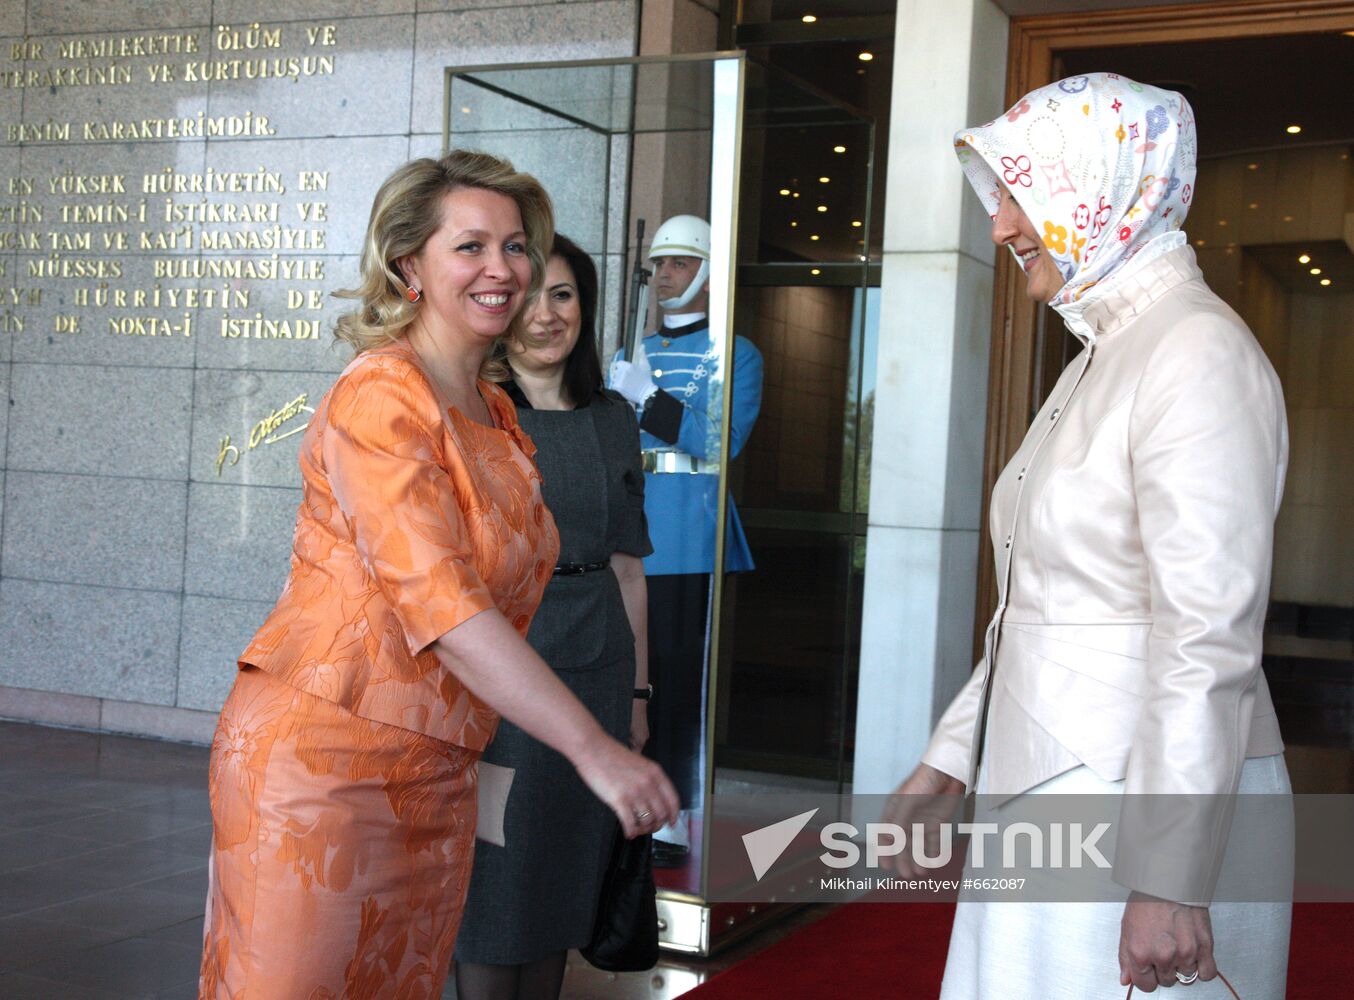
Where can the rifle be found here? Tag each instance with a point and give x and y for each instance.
(639, 298)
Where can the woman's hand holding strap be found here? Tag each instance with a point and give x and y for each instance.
(1159, 938)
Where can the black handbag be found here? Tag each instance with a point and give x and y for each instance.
(625, 933)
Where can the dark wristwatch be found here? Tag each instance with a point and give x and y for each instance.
(645, 693)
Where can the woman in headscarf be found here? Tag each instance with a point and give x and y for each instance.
(1133, 532)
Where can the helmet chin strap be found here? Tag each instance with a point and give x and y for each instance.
(692, 290)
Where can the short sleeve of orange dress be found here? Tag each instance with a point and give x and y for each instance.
(412, 521)
(390, 480)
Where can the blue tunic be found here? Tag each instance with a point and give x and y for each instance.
(681, 507)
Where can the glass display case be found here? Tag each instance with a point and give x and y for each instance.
(658, 168)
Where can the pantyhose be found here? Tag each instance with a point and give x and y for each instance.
(538, 980)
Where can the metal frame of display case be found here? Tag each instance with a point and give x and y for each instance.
(689, 922)
(860, 275)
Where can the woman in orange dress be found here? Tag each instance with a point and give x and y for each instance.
(343, 768)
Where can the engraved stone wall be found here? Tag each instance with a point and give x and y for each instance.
(182, 184)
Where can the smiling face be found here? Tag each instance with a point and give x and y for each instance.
(474, 271)
(1012, 227)
(553, 322)
(672, 276)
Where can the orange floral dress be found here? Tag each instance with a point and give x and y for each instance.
(343, 765)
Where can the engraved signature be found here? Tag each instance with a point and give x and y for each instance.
(266, 431)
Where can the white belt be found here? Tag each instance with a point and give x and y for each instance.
(657, 461)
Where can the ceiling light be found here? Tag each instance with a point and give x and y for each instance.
(856, 223)
(1293, 129)
(839, 149)
(465, 111)
(1198, 243)
(1287, 218)
(796, 194)
(794, 225)
(865, 56)
(824, 180)
(822, 208)
(784, 191)
(1325, 282)
(1252, 166)
(1254, 204)
(808, 18)
(816, 271)
(1222, 222)
(814, 237)
(1315, 270)
(1304, 259)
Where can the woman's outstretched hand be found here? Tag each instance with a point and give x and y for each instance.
(928, 797)
(1158, 938)
(634, 787)
(492, 659)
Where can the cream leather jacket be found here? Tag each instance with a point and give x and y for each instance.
(1133, 533)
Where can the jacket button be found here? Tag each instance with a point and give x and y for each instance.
(658, 373)
(1055, 413)
(1022, 474)
(1008, 541)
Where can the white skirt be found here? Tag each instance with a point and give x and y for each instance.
(1070, 951)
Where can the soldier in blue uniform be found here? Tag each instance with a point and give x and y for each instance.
(678, 384)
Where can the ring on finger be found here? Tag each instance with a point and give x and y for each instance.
(642, 815)
(1186, 979)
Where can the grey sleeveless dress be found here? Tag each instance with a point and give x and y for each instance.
(538, 894)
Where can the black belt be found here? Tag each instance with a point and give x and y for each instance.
(578, 569)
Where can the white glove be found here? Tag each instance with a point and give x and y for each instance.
(632, 379)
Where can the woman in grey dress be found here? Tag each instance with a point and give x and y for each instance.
(533, 899)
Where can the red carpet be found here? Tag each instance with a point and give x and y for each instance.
(898, 950)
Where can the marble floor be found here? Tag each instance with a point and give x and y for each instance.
(103, 846)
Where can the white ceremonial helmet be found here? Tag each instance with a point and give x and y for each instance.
(684, 236)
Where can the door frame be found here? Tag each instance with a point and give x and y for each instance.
(1022, 369)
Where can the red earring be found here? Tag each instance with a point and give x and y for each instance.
(413, 294)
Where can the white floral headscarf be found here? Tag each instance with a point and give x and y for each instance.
(1103, 166)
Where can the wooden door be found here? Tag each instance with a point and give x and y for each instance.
(1029, 345)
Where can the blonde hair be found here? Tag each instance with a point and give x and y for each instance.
(406, 212)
